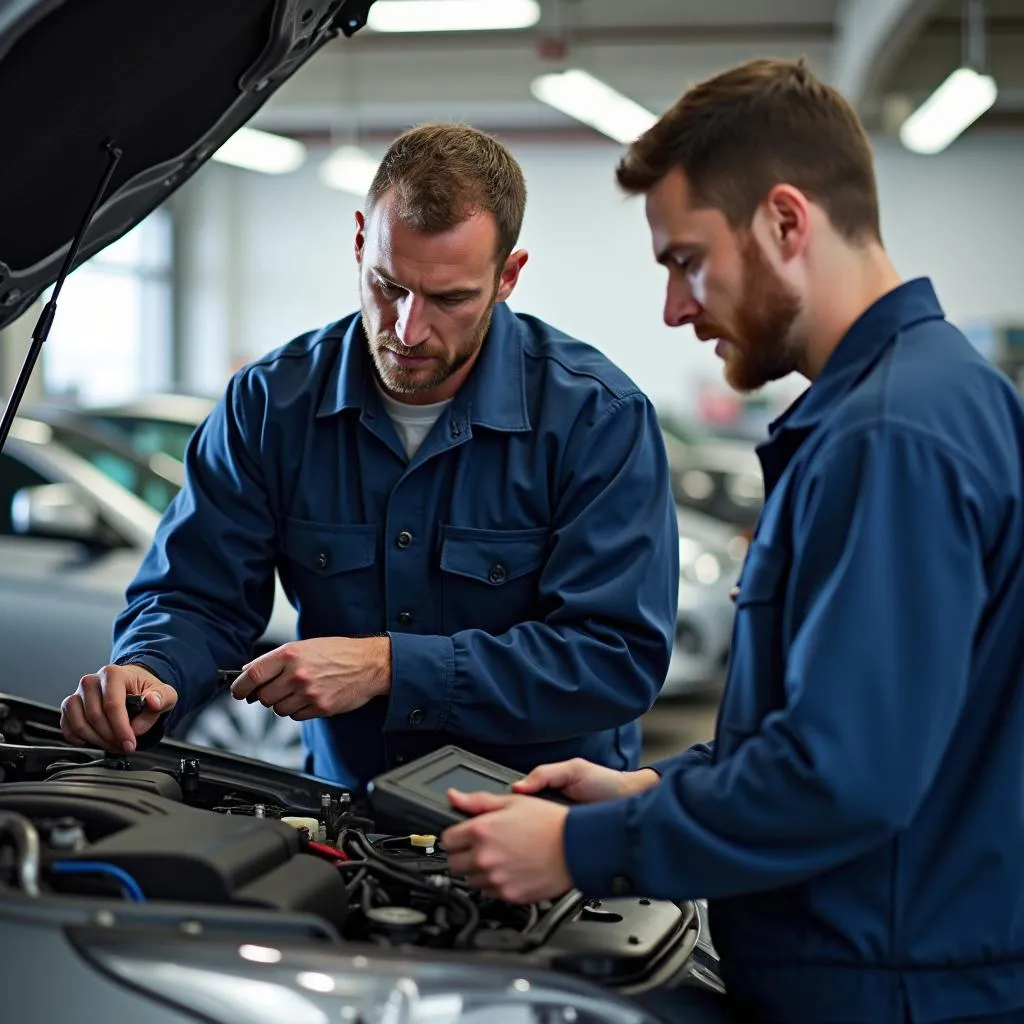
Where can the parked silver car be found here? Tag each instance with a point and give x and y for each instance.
(711, 555)
(713, 474)
(76, 516)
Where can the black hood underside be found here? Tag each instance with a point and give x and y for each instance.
(165, 81)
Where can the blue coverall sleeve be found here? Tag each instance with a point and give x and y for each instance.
(204, 592)
(598, 655)
(886, 592)
(699, 753)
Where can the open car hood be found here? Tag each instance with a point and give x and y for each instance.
(165, 81)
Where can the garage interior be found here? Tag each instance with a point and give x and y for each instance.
(243, 258)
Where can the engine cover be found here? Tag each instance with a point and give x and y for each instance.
(180, 853)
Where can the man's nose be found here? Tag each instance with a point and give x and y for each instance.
(412, 326)
(681, 308)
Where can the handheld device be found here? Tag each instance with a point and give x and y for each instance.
(414, 795)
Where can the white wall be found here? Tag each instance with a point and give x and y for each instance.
(285, 248)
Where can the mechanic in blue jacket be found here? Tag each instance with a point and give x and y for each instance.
(858, 822)
(470, 510)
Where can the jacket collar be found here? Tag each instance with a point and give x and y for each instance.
(493, 396)
(871, 335)
(874, 331)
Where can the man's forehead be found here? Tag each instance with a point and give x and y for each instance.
(470, 243)
(677, 226)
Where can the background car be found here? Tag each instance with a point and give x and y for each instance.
(77, 512)
(710, 558)
(159, 424)
(717, 475)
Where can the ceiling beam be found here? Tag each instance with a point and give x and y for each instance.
(872, 36)
(598, 35)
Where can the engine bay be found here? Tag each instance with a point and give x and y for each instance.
(178, 826)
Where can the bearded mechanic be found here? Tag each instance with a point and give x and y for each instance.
(858, 822)
(470, 510)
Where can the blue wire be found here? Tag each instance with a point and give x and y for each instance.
(131, 888)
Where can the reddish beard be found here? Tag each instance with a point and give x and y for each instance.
(761, 347)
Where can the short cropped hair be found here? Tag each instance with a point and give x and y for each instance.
(737, 135)
(444, 173)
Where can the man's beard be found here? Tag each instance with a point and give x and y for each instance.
(411, 380)
(762, 347)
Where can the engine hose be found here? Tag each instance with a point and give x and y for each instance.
(563, 909)
(26, 842)
(377, 862)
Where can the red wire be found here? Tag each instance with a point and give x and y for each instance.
(327, 851)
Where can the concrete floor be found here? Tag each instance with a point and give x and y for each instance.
(675, 724)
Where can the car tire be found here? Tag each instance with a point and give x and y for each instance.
(237, 727)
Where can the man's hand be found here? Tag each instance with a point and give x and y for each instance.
(514, 850)
(587, 783)
(95, 715)
(316, 678)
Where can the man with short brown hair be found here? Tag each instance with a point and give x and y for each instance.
(858, 823)
(470, 511)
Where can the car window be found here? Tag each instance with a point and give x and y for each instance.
(13, 476)
(151, 436)
(134, 476)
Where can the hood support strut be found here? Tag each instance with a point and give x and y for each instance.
(46, 317)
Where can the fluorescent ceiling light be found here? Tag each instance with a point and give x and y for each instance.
(452, 15)
(954, 106)
(589, 100)
(349, 169)
(260, 151)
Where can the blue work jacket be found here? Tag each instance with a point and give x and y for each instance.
(858, 822)
(525, 562)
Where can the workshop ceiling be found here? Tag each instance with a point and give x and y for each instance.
(886, 54)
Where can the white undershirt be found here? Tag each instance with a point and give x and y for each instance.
(412, 422)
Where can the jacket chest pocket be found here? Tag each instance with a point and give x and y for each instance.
(489, 577)
(330, 572)
(755, 684)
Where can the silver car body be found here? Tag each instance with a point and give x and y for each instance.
(59, 599)
(710, 557)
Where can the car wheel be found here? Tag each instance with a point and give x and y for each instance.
(237, 727)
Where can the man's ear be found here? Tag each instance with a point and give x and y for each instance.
(509, 276)
(360, 243)
(788, 219)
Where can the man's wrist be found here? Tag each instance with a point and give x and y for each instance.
(641, 780)
(380, 665)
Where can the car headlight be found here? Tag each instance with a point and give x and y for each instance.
(698, 564)
(264, 984)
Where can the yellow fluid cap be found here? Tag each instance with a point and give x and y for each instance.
(300, 823)
(423, 841)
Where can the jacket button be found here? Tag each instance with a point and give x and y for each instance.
(416, 716)
(404, 618)
(620, 886)
(321, 560)
(404, 539)
(497, 573)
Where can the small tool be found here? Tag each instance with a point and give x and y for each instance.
(136, 704)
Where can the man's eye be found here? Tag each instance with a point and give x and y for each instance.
(387, 288)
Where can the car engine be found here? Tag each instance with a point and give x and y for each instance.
(191, 829)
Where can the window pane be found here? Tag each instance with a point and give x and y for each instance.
(111, 339)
